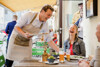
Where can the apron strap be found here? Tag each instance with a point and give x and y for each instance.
(33, 18)
(41, 25)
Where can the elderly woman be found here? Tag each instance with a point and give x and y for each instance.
(75, 44)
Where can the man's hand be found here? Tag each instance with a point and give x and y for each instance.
(83, 63)
(21, 32)
(53, 45)
(28, 35)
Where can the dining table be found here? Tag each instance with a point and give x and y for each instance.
(36, 63)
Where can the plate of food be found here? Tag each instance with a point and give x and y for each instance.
(76, 57)
(51, 60)
(54, 63)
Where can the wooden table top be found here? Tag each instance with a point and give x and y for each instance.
(71, 63)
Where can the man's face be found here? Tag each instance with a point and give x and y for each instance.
(46, 15)
(80, 7)
(98, 32)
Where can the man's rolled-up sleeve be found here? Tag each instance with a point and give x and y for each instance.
(23, 20)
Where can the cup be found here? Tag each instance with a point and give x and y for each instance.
(68, 54)
(61, 55)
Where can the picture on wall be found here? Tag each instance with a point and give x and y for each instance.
(91, 8)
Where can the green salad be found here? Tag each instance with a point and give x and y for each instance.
(51, 57)
(54, 53)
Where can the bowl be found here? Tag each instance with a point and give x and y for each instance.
(51, 60)
(55, 56)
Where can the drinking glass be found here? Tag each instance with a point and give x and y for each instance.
(68, 54)
(61, 55)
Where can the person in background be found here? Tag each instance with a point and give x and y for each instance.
(51, 32)
(55, 38)
(75, 44)
(9, 28)
(76, 16)
(30, 24)
(53, 35)
(95, 62)
(80, 26)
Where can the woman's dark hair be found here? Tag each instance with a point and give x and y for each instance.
(46, 7)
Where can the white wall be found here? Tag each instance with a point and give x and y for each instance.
(89, 31)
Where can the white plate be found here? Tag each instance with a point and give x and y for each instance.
(76, 57)
(54, 63)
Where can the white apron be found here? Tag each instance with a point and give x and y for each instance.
(16, 52)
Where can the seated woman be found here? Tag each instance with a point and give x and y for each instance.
(75, 44)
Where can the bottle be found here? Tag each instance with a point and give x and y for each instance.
(42, 39)
(44, 56)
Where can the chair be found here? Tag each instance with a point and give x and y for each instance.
(2, 61)
(1, 42)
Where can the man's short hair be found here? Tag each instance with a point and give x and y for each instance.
(80, 4)
(46, 7)
(15, 17)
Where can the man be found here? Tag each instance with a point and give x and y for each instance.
(76, 16)
(9, 29)
(93, 62)
(80, 26)
(30, 24)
